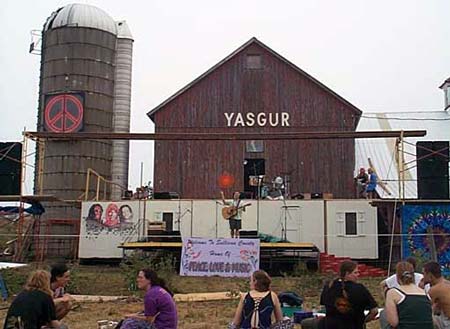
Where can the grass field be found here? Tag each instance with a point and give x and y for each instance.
(108, 280)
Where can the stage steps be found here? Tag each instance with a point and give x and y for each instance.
(329, 264)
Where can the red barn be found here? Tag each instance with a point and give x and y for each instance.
(252, 90)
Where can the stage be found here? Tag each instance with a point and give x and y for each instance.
(275, 257)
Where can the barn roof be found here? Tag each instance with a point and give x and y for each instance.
(236, 52)
(381, 151)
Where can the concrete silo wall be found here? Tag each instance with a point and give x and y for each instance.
(121, 117)
(77, 59)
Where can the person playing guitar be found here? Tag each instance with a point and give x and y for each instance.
(235, 213)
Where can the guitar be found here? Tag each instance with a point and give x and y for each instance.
(230, 211)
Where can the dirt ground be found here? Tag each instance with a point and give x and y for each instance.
(196, 315)
(192, 315)
(103, 280)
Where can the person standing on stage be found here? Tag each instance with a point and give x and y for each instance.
(372, 185)
(235, 220)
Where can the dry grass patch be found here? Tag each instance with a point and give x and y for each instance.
(110, 280)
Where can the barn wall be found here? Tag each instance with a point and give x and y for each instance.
(192, 168)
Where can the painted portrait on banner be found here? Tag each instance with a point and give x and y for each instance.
(104, 226)
(221, 257)
(418, 221)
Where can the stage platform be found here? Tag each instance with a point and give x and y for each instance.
(263, 245)
(275, 257)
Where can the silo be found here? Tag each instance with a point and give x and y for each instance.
(76, 94)
(121, 108)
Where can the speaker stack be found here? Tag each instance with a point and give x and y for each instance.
(432, 170)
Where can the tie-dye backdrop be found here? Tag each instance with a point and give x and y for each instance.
(417, 220)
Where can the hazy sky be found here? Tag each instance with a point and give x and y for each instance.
(381, 55)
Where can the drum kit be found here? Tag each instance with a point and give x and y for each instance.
(276, 189)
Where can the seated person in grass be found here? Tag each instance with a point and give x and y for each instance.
(60, 277)
(345, 301)
(160, 311)
(259, 305)
(408, 306)
(439, 294)
(33, 308)
(393, 282)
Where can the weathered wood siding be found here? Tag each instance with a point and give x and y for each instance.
(192, 168)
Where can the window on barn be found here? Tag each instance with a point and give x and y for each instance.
(253, 62)
(254, 146)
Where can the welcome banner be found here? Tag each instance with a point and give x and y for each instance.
(221, 257)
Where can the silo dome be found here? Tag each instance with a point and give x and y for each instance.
(81, 15)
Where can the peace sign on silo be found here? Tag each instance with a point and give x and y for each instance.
(64, 113)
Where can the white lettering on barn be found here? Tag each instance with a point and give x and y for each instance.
(261, 119)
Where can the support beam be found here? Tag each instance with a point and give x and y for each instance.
(177, 136)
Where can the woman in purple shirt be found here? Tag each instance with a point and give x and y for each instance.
(159, 307)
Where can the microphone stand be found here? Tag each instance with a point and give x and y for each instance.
(217, 212)
(258, 196)
(257, 205)
(285, 209)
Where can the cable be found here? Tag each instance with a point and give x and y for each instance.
(404, 119)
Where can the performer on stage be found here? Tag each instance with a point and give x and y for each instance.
(372, 184)
(235, 220)
(361, 183)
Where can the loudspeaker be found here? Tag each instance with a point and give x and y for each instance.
(433, 188)
(248, 234)
(10, 168)
(165, 236)
(127, 195)
(432, 159)
(166, 195)
(246, 195)
(432, 170)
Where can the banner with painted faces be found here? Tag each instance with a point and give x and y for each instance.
(221, 257)
(105, 225)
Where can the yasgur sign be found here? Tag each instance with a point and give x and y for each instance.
(260, 119)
